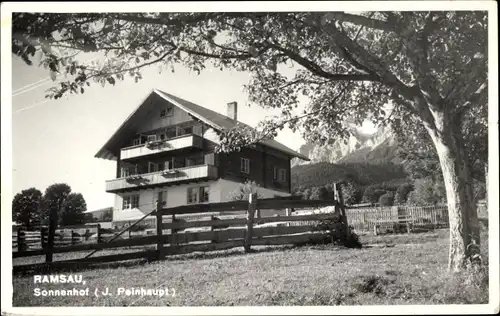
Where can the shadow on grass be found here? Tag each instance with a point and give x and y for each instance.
(86, 266)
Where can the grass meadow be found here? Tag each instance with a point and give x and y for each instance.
(390, 269)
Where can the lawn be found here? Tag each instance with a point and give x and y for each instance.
(392, 269)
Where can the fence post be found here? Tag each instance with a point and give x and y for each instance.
(20, 239)
(43, 235)
(173, 231)
(99, 237)
(129, 231)
(249, 227)
(214, 240)
(159, 232)
(340, 202)
(53, 218)
(72, 237)
(288, 212)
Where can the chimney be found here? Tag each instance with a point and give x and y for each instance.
(232, 110)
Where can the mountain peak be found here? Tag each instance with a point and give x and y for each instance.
(380, 146)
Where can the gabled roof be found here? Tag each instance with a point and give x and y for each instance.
(217, 121)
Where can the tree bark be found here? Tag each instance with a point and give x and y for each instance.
(464, 224)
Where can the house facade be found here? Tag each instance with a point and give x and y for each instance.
(165, 151)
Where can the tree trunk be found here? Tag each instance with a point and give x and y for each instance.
(464, 224)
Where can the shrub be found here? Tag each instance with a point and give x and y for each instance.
(244, 190)
(372, 194)
(427, 191)
(402, 193)
(336, 234)
(386, 199)
(352, 194)
(319, 193)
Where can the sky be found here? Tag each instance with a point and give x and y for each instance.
(54, 141)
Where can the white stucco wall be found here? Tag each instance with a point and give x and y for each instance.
(220, 191)
(176, 196)
(227, 187)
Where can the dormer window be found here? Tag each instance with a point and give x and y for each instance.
(168, 111)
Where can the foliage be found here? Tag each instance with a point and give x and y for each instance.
(372, 194)
(319, 193)
(26, 207)
(427, 191)
(336, 234)
(352, 194)
(65, 207)
(402, 193)
(386, 199)
(244, 191)
(73, 211)
(89, 218)
(54, 199)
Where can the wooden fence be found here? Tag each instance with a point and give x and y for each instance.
(174, 236)
(397, 218)
(36, 238)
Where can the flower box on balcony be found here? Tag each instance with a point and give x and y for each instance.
(169, 172)
(154, 143)
(134, 177)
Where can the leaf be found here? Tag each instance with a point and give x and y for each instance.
(82, 90)
(53, 75)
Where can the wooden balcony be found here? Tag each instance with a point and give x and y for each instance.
(180, 142)
(173, 176)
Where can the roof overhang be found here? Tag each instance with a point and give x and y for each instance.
(111, 147)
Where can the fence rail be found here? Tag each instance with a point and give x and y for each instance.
(217, 233)
(179, 231)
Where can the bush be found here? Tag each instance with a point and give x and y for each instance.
(386, 199)
(319, 193)
(372, 194)
(244, 190)
(352, 194)
(402, 193)
(336, 234)
(427, 191)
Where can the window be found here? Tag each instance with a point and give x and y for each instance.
(162, 136)
(171, 132)
(198, 195)
(128, 171)
(168, 111)
(188, 130)
(153, 167)
(189, 162)
(136, 141)
(162, 197)
(167, 165)
(125, 172)
(151, 138)
(204, 194)
(245, 165)
(131, 201)
(192, 195)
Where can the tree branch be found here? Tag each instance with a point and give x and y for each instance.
(363, 21)
(318, 71)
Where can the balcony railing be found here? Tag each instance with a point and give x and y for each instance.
(199, 172)
(158, 146)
